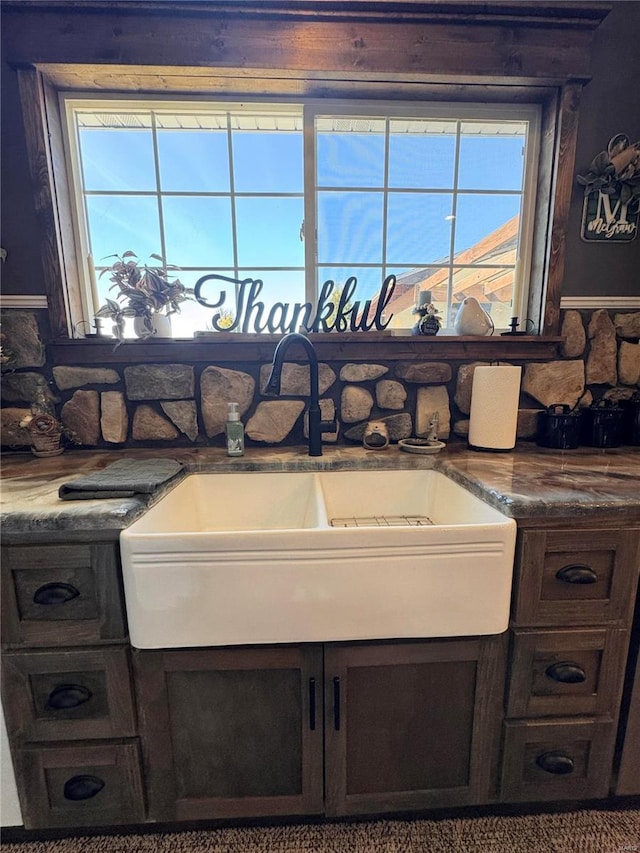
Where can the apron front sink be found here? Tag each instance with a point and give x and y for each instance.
(246, 558)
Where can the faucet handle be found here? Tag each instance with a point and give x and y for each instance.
(329, 426)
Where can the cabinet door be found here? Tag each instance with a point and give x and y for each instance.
(231, 732)
(561, 759)
(579, 577)
(412, 725)
(628, 781)
(68, 694)
(573, 671)
(59, 595)
(80, 784)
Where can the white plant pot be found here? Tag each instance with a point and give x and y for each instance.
(160, 326)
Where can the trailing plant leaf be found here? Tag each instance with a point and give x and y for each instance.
(142, 291)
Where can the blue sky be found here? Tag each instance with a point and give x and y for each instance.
(198, 228)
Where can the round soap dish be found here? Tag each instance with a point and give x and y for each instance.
(420, 445)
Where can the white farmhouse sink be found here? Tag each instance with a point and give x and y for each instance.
(229, 559)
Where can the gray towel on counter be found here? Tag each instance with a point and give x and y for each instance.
(122, 479)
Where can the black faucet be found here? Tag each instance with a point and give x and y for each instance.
(316, 425)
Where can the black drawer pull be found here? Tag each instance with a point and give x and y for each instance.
(55, 593)
(312, 704)
(336, 704)
(82, 787)
(577, 574)
(566, 672)
(555, 762)
(68, 696)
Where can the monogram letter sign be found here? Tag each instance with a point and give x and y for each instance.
(611, 207)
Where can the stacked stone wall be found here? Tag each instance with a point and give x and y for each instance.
(164, 405)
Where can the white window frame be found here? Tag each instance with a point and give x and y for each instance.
(311, 108)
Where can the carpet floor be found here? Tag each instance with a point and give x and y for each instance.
(570, 832)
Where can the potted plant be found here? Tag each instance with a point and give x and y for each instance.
(149, 294)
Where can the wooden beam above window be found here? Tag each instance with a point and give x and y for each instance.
(426, 42)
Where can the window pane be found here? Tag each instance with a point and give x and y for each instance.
(418, 228)
(491, 286)
(267, 162)
(194, 316)
(491, 156)
(117, 159)
(285, 286)
(412, 281)
(119, 224)
(409, 283)
(193, 160)
(350, 227)
(269, 232)
(369, 279)
(421, 154)
(489, 223)
(198, 231)
(350, 159)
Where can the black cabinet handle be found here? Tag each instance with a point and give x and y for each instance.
(55, 593)
(68, 696)
(312, 704)
(576, 574)
(336, 704)
(555, 762)
(566, 672)
(82, 787)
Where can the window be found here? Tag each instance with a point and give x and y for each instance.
(439, 195)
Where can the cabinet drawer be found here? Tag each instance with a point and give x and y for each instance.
(575, 577)
(559, 673)
(563, 759)
(68, 694)
(59, 595)
(80, 785)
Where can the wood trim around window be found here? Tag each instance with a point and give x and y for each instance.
(45, 155)
(43, 123)
(565, 162)
(495, 54)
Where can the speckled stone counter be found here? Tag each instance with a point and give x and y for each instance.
(527, 483)
(534, 482)
(29, 500)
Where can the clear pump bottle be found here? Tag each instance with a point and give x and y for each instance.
(234, 431)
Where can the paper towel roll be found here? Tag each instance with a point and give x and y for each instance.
(495, 394)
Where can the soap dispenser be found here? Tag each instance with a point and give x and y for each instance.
(234, 431)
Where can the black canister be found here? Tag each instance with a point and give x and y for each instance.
(602, 424)
(558, 427)
(631, 420)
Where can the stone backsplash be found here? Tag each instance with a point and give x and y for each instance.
(183, 404)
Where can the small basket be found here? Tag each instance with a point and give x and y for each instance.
(46, 436)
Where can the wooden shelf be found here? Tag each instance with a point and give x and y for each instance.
(225, 347)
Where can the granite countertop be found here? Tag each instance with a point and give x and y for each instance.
(525, 483)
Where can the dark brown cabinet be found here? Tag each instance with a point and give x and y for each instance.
(557, 759)
(575, 576)
(412, 725)
(104, 734)
(628, 781)
(61, 595)
(241, 732)
(67, 689)
(82, 784)
(68, 694)
(574, 591)
(231, 732)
